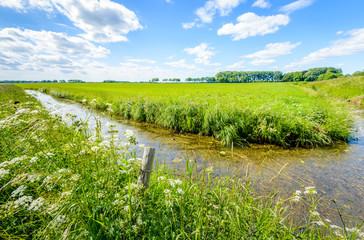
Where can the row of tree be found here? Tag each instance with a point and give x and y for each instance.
(312, 74)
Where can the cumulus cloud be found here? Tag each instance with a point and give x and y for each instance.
(294, 6)
(274, 50)
(101, 20)
(342, 47)
(250, 24)
(188, 25)
(237, 65)
(261, 4)
(203, 54)
(181, 64)
(37, 49)
(208, 11)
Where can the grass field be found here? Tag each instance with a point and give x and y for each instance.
(60, 181)
(350, 89)
(276, 113)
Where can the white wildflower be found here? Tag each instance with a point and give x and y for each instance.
(3, 172)
(126, 208)
(36, 204)
(169, 203)
(75, 177)
(180, 191)
(19, 191)
(314, 213)
(84, 101)
(298, 192)
(34, 159)
(64, 170)
(296, 199)
(105, 143)
(139, 221)
(328, 220)
(93, 101)
(167, 191)
(129, 133)
(58, 221)
(310, 190)
(320, 223)
(95, 148)
(161, 178)
(23, 201)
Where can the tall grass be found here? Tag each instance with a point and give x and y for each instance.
(276, 113)
(348, 88)
(60, 181)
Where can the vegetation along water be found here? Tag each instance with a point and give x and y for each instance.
(283, 114)
(62, 181)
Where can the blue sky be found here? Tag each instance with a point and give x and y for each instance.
(136, 40)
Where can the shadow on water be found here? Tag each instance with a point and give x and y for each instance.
(336, 172)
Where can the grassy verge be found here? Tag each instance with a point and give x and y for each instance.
(60, 181)
(276, 113)
(348, 88)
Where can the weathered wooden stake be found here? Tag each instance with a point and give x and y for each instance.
(147, 165)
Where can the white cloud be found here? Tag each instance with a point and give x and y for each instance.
(289, 8)
(28, 49)
(140, 60)
(250, 24)
(188, 25)
(17, 4)
(274, 50)
(339, 32)
(261, 4)
(262, 62)
(181, 64)
(202, 53)
(343, 47)
(103, 21)
(237, 65)
(208, 11)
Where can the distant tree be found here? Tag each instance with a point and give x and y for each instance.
(154, 80)
(75, 81)
(329, 75)
(312, 74)
(62, 81)
(358, 73)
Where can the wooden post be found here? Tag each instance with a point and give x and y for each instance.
(147, 165)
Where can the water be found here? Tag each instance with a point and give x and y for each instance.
(336, 172)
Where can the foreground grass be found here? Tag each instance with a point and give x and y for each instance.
(276, 113)
(348, 88)
(58, 181)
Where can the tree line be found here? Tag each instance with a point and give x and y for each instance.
(312, 74)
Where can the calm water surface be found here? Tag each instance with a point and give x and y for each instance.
(336, 172)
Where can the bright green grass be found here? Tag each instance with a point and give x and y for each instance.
(346, 88)
(58, 182)
(277, 113)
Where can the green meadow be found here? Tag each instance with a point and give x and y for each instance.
(61, 181)
(275, 113)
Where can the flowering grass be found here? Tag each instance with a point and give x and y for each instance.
(60, 181)
(239, 114)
